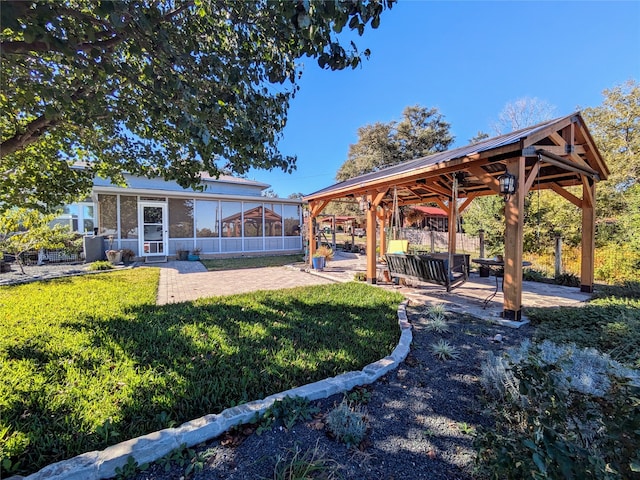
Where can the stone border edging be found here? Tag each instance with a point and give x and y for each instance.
(148, 448)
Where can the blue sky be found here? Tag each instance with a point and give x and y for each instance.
(468, 59)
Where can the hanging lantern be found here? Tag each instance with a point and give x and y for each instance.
(507, 184)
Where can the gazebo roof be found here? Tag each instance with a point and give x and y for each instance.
(562, 148)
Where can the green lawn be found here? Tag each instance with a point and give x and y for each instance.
(251, 262)
(89, 361)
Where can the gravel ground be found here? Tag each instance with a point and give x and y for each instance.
(421, 419)
(36, 272)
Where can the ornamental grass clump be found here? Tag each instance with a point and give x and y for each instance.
(297, 464)
(443, 350)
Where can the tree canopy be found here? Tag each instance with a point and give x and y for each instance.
(421, 131)
(166, 88)
(615, 126)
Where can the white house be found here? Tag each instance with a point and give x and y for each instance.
(156, 218)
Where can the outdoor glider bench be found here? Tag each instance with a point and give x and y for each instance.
(429, 269)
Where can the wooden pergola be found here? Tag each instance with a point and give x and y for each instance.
(554, 155)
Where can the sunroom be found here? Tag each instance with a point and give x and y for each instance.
(156, 218)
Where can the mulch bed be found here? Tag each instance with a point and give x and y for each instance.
(421, 418)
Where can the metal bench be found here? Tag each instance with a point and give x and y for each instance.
(425, 268)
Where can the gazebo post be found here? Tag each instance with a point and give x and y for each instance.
(514, 219)
(382, 217)
(371, 241)
(588, 235)
(451, 226)
(311, 236)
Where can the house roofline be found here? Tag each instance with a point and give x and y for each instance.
(197, 195)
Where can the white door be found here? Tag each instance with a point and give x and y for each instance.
(153, 225)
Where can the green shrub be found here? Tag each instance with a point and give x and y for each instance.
(100, 265)
(533, 275)
(359, 395)
(347, 423)
(610, 323)
(567, 279)
(286, 412)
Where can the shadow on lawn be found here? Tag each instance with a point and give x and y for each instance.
(164, 365)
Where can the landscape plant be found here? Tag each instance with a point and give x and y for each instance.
(100, 265)
(298, 464)
(443, 350)
(568, 409)
(347, 423)
(560, 412)
(286, 412)
(609, 322)
(92, 360)
(23, 230)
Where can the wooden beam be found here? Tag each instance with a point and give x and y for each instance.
(593, 153)
(432, 185)
(532, 176)
(315, 207)
(587, 198)
(381, 215)
(377, 198)
(463, 206)
(568, 195)
(486, 178)
(545, 132)
(442, 205)
(560, 149)
(567, 164)
(514, 224)
(588, 239)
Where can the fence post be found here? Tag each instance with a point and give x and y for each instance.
(481, 237)
(433, 240)
(558, 259)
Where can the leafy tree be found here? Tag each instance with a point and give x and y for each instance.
(478, 137)
(23, 230)
(421, 131)
(615, 127)
(270, 193)
(155, 88)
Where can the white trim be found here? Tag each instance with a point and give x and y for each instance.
(198, 195)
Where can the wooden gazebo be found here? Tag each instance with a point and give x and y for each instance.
(554, 155)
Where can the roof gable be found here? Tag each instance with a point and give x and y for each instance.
(563, 146)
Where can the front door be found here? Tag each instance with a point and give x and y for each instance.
(152, 221)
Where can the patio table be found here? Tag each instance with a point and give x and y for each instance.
(497, 267)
